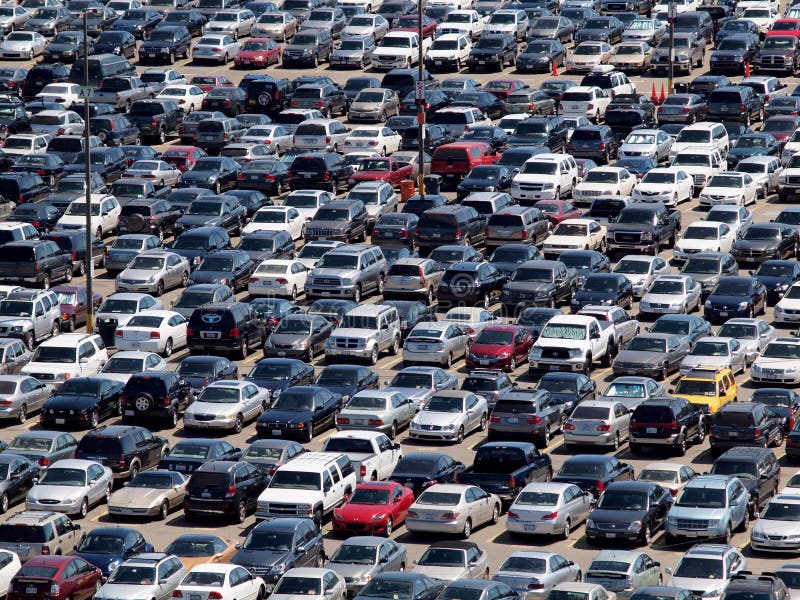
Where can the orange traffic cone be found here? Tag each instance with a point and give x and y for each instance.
(555, 69)
(747, 69)
(654, 95)
(663, 95)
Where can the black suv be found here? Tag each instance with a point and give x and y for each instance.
(234, 327)
(540, 131)
(41, 75)
(745, 424)
(539, 283)
(148, 216)
(153, 395)
(156, 118)
(166, 43)
(115, 130)
(450, 225)
(735, 103)
(758, 470)
(471, 283)
(745, 585)
(267, 551)
(23, 187)
(125, 449)
(597, 142)
(319, 171)
(224, 487)
(672, 422)
(268, 95)
(493, 50)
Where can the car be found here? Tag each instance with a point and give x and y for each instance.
(223, 579)
(671, 294)
(226, 405)
(299, 412)
(597, 422)
(435, 342)
(546, 569)
(740, 425)
(215, 47)
(188, 455)
(735, 296)
(499, 346)
(87, 482)
(73, 575)
(593, 473)
(455, 413)
(154, 271)
(150, 494)
(718, 560)
(80, 401)
(195, 549)
(638, 508)
(43, 447)
(672, 476)
(23, 44)
(299, 335)
(390, 499)
(471, 511)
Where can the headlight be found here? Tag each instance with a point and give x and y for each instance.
(113, 565)
(742, 305)
(535, 352)
(17, 328)
(647, 235)
(713, 522)
(672, 520)
(635, 526)
(707, 304)
(589, 524)
(450, 427)
(781, 287)
(347, 281)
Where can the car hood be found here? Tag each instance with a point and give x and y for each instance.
(416, 394)
(527, 286)
(703, 361)
(285, 416)
(727, 53)
(325, 272)
(126, 24)
(698, 585)
(620, 517)
(437, 418)
(347, 570)
(352, 332)
(139, 497)
(65, 402)
(665, 52)
(754, 244)
(288, 338)
(56, 491)
(445, 573)
(15, 321)
(774, 52)
(101, 561)
(210, 276)
(327, 225)
(296, 47)
(57, 47)
(125, 591)
(198, 220)
(127, 255)
(266, 558)
(156, 44)
(210, 408)
(391, 51)
(639, 357)
(490, 349)
(353, 31)
(702, 245)
(771, 281)
(745, 152)
(718, 299)
(588, 296)
(198, 176)
(662, 298)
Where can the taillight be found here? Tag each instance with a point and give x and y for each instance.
(686, 110)
(549, 517)
(512, 483)
(74, 253)
(177, 594)
(342, 421)
(327, 139)
(240, 177)
(375, 423)
(599, 485)
(189, 331)
(449, 516)
(494, 419)
(604, 428)
(791, 422)
(532, 106)
(363, 471)
(118, 333)
(458, 233)
(569, 427)
(230, 494)
(326, 176)
(524, 235)
(235, 332)
(590, 106)
(673, 427)
(167, 401)
(602, 145)
(757, 432)
(46, 551)
(214, 596)
(44, 462)
(421, 277)
(742, 107)
(512, 515)
(673, 491)
(533, 421)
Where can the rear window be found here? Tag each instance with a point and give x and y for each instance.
(15, 254)
(622, 117)
(437, 221)
(61, 144)
(450, 154)
(586, 135)
(308, 163)
(92, 445)
(404, 270)
(718, 96)
(197, 321)
(150, 385)
(449, 118)
(207, 480)
(734, 419)
(505, 221)
(314, 93)
(28, 534)
(132, 209)
(514, 406)
(652, 414)
(210, 127)
(311, 129)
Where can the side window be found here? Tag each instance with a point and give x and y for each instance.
(327, 483)
(335, 473)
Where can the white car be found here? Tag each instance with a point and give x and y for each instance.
(10, 565)
(57, 122)
(308, 201)
(105, 214)
(737, 218)
(450, 415)
(160, 172)
(779, 362)
(310, 584)
(224, 581)
(715, 351)
(587, 55)
(65, 94)
(188, 97)
(576, 234)
(226, 405)
(449, 51)
(22, 44)
(671, 475)
(670, 294)
(602, 181)
(277, 137)
(159, 331)
(123, 364)
(766, 171)
(729, 187)
(792, 486)
(471, 319)
(26, 143)
(641, 270)
(276, 218)
(469, 22)
(451, 508)
(277, 277)
(646, 142)
(216, 47)
(668, 185)
(373, 137)
(787, 310)
(74, 484)
(754, 334)
(703, 236)
(763, 16)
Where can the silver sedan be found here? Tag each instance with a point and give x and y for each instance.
(154, 272)
(22, 395)
(537, 500)
(715, 351)
(533, 574)
(452, 508)
(597, 422)
(226, 405)
(367, 407)
(754, 335)
(217, 47)
(159, 171)
(431, 342)
(237, 23)
(73, 484)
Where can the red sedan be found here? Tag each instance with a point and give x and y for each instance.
(209, 82)
(258, 52)
(785, 27)
(558, 210)
(500, 347)
(183, 157)
(503, 88)
(55, 578)
(374, 507)
(411, 23)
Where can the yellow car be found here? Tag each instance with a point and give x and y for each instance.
(708, 387)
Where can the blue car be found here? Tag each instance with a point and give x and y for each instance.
(777, 276)
(199, 371)
(607, 289)
(638, 165)
(753, 144)
(107, 547)
(585, 263)
(688, 328)
(736, 296)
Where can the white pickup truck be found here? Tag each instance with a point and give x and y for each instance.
(571, 343)
(373, 454)
(469, 22)
(399, 50)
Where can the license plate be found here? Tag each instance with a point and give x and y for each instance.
(128, 413)
(554, 367)
(529, 527)
(206, 495)
(276, 432)
(484, 362)
(326, 294)
(513, 420)
(180, 467)
(723, 313)
(281, 354)
(194, 596)
(481, 62)
(438, 63)
(423, 346)
(652, 430)
(611, 535)
(733, 434)
(60, 421)
(210, 335)
(31, 589)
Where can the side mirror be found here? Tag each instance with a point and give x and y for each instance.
(384, 560)
(84, 360)
(668, 570)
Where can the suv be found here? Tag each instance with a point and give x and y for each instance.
(364, 332)
(154, 216)
(223, 487)
(216, 133)
(73, 241)
(745, 424)
(44, 312)
(170, 572)
(735, 102)
(525, 224)
(162, 395)
(319, 171)
(708, 388)
(268, 95)
(232, 327)
(125, 449)
(329, 99)
(531, 414)
(544, 177)
(23, 187)
(260, 555)
(344, 220)
(41, 75)
(757, 469)
(331, 478)
(471, 283)
(492, 384)
(167, 43)
(709, 506)
(67, 355)
(347, 271)
(456, 224)
(539, 283)
(32, 533)
(672, 422)
(766, 585)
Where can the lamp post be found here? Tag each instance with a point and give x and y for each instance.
(88, 181)
(420, 98)
(673, 9)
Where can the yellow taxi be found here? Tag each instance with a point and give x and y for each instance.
(708, 387)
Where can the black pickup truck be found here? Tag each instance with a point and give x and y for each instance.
(504, 468)
(156, 118)
(644, 228)
(34, 261)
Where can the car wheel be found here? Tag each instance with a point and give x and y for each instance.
(393, 430)
(482, 425)
(22, 416)
(245, 350)
(241, 512)
(495, 517)
(615, 444)
(310, 432)
(567, 530)
(778, 439)
(357, 295)
(513, 364)
(84, 509)
(373, 357)
(163, 511)
(680, 449)
(460, 435)
(389, 527)
(45, 286)
(94, 419)
(237, 424)
(646, 535)
(467, 531)
(545, 437)
(487, 301)
(168, 346)
(160, 288)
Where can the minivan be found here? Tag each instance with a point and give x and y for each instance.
(100, 67)
(450, 225)
(214, 134)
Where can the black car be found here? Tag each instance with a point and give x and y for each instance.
(279, 374)
(355, 84)
(420, 470)
(82, 402)
(125, 449)
(228, 100)
(331, 308)
(757, 469)
(413, 586)
(50, 167)
(186, 456)
(585, 263)
(115, 42)
(777, 276)
(199, 371)
(603, 288)
(300, 413)
(14, 119)
(11, 78)
(492, 50)
(753, 144)
(764, 241)
(347, 380)
(629, 510)
(550, 132)
(41, 215)
(508, 257)
(489, 104)
(41, 75)
(166, 44)
(67, 46)
(263, 245)
(471, 283)
(491, 384)
(734, 52)
(433, 137)
(434, 100)
(395, 228)
(228, 267)
(411, 312)
(217, 173)
(593, 473)
(266, 175)
(567, 389)
(193, 20)
(491, 134)
(138, 21)
(145, 396)
(114, 130)
(603, 29)
(671, 422)
(783, 402)
(744, 424)
(635, 102)
(233, 327)
(319, 170)
(155, 118)
(109, 163)
(541, 55)
(278, 545)
(19, 476)
(598, 142)
(268, 95)
(223, 487)
(485, 178)
(539, 283)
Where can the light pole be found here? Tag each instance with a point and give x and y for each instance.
(88, 181)
(673, 9)
(421, 106)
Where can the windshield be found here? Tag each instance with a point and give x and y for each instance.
(133, 575)
(62, 476)
(700, 497)
(628, 266)
(646, 344)
(355, 554)
(701, 266)
(666, 287)
(781, 351)
(295, 480)
(622, 500)
(444, 404)
(101, 544)
(625, 390)
(564, 331)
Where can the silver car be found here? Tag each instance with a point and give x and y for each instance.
(394, 409)
(360, 558)
(623, 571)
(226, 405)
(22, 395)
(278, 25)
(413, 278)
(154, 272)
(216, 47)
(13, 17)
(753, 334)
(374, 26)
(123, 364)
(537, 500)
(778, 528)
(533, 574)
(450, 415)
(43, 447)
(471, 319)
(717, 352)
(57, 122)
(147, 575)
(160, 172)
(71, 486)
(435, 342)
(670, 294)
(597, 422)
(449, 561)
(237, 23)
(452, 508)
(13, 356)
(631, 390)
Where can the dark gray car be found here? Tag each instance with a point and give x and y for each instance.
(43, 447)
(309, 47)
(651, 355)
(528, 414)
(301, 336)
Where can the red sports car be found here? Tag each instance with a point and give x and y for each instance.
(55, 578)
(500, 347)
(558, 210)
(209, 82)
(374, 507)
(258, 52)
(411, 23)
(183, 157)
(503, 88)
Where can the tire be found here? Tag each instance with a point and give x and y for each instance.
(84, 509)
(160, 288)
(544, 438)
(318, 517)
(22, 416)
(134, 470)
(162, 136)
(680, 448)
(4, 503)
(168, 348)
(393, 431)
(779, 439)
(357, 295)
(389, 527)
(567, 529)
(163, 511)
(395, 347)
(108, 494)
(373, 357)
(245, 349)
(46, 282)
(647, 535)
(241, 512)
(495, 515)
(482, 426)
(664, 372)
(460, 435)
(237, 424)
(467, 531)
(310, 432)
(94, 419)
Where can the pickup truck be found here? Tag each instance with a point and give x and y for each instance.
(385, 169)
(644, 228)
(121, 92)
(504, 468)
(571, 343)
(469, 22)
(373, 454)
(399, 50)
(34, 261)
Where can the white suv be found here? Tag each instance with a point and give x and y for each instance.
(701, 135)
(105, 214)
(585, 101)
(66, 356)
(545, 177)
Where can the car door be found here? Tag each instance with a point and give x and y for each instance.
(622, 419)
(252, 401)
(96, 491)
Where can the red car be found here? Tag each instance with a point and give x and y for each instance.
(72, 299)
(258, 52)
(785, 27)
(503, 88)
(558, 210)
(781, 127)
(500, 347)
(55, 578)
(411, 23)
(183, 157)
(374, 507)
(209, 82)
